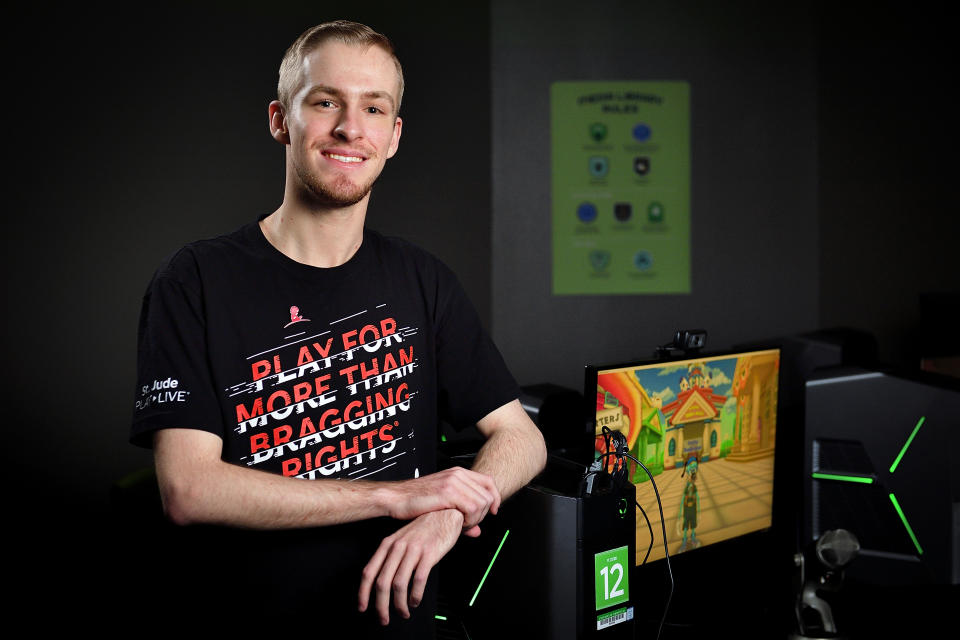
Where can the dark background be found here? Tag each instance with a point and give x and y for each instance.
(822, 154)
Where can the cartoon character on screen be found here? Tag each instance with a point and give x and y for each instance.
(689, 505)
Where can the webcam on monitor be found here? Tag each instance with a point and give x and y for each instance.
(688, 341)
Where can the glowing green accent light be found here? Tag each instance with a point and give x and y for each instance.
(487, 572)
(896, 505)
(831, 476)
(439, 617)
(443, 438)
(893, 467)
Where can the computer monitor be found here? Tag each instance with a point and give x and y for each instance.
(715, 414)
(705, 426)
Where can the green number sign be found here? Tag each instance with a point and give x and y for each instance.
(611, 577)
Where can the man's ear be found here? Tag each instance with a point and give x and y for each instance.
(395, 141)
(278, 122)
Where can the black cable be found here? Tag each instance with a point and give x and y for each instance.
(619, 442)
(607, 435)
(663, 527)
(650, 528)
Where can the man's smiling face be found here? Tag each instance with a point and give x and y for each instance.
(342, 122)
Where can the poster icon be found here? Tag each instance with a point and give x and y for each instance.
(655, 212)
(598, 131)
(642, 260)
(599, 166)
(599, 259)
(641, 164)
(587, 212)
(622, 211)
(642, 132)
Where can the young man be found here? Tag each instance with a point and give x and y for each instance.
(309, 347)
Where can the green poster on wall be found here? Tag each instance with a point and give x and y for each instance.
(621, 187)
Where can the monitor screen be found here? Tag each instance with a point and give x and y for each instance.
(705, 427)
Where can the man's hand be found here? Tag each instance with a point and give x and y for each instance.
(471, 493)
(410, 553)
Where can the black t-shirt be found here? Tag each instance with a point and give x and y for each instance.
(314, 373)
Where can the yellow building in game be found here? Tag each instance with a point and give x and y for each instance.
(693, 420)
(755, 389)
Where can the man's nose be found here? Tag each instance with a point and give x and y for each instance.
(348, 125)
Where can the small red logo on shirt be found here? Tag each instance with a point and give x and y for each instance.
(295, 317)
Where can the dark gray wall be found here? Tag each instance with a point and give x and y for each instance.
(752, 72)
(889, 227)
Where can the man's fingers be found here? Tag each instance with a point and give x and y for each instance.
(370, 573)
(476, 495)
(420, 582)
(488, 489)
(496, 497)
(401, 581)
(472, 494)
(474, 517)
(472, 532)
(384, 581)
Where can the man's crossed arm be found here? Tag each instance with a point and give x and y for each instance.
(198, 487)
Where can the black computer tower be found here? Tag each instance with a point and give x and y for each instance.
(880, 455)
(544, 564)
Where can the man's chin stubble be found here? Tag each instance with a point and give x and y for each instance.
(342, 194)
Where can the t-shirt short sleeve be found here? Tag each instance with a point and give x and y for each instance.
(174, 388)
(472, 376)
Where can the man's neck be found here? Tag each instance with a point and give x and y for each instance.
(319, 237)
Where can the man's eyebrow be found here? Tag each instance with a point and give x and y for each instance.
(380, 95)
(337, 93)
(320, 88)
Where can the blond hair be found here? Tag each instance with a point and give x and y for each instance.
(340, 30)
